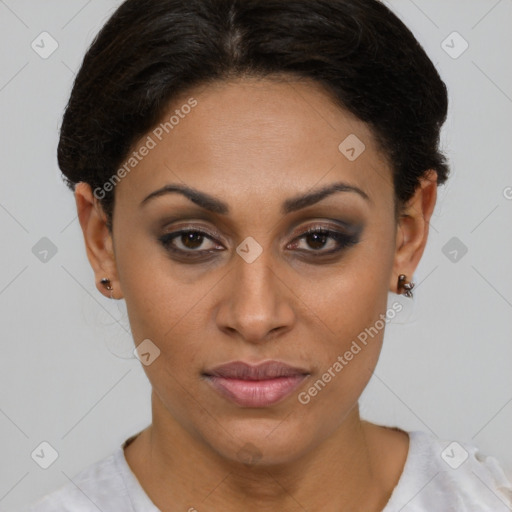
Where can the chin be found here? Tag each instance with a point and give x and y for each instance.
(259, 443)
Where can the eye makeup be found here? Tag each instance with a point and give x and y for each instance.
(318, 240)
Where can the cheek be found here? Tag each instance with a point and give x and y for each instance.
(353, 296)
(155, 299)
(168, 316)
(351, 306)
(169, 312)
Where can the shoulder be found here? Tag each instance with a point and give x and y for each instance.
(98, 486)
(449, 476)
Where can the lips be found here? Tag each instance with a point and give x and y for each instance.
(263, 371)
(255, 386)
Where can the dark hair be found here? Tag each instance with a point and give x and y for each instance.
(150, 52)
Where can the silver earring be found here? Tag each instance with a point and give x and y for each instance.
(404, 287)
(108, 285)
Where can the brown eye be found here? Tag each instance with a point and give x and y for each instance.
(324, 241)
(317, 240)
(192, 241)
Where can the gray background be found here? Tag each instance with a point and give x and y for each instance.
(68, 375)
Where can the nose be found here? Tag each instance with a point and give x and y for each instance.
(257, 303)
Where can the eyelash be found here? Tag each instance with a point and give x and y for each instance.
(344, 241)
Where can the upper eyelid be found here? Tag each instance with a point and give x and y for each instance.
(319, 224)
(301, 232)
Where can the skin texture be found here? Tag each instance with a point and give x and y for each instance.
(254, 143)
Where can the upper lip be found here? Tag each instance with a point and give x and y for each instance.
(262, 371)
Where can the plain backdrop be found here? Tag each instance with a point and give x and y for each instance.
(68, 374)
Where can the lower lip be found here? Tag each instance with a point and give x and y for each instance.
(256, 393)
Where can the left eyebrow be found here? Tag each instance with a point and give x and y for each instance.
(305, 200)
(293, 204)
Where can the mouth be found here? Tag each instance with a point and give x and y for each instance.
(260, 385)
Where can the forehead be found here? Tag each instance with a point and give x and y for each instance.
(274, 136)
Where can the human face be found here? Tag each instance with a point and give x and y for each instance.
(255, 146)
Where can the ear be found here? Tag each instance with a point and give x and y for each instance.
(98, 240)
(413, 228)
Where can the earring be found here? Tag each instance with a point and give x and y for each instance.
(106, 283)
(404, 288)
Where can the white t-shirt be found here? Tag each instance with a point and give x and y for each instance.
(438, 476)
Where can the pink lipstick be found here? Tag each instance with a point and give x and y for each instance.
(260, 385)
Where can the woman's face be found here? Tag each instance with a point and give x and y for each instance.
(247, 284)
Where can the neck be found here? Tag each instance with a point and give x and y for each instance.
(182, 472)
